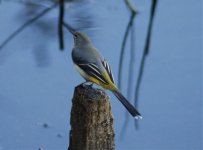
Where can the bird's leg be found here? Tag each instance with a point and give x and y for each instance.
(84, 83)
(91, 84)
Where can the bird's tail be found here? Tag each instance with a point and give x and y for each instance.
(131, 109)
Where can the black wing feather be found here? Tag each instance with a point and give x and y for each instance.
(92, 70)
(108, 69)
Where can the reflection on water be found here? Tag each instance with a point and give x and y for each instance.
(170, 91)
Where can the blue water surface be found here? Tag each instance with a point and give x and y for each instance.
(37, 80)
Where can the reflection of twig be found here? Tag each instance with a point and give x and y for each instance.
(133, 12)
(25, 2)
(21, 28)
(68, 27)
(60, 24)
(130, 25)
(130, 77)
(145, 52)
(132, 9)
(153, 9)
(123, 48)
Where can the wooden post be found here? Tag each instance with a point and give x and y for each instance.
(91, 120)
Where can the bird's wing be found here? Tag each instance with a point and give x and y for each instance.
(91, 69)
(108, 69)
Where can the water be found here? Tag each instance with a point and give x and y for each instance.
(37, 80)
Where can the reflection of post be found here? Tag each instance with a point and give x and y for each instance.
(91, 120)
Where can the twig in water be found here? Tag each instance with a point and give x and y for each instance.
(67, 26)
(26, 24)
(153, 9)
(130, 24)
(25, 2)
(134, 11)
(60, 24)
(145, 53)
(123, 48)
(130, 77)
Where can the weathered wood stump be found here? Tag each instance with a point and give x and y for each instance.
(91, 120)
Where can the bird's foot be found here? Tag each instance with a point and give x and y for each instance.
(91, 85)
(85, 84)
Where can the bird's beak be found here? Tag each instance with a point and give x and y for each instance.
(70, 29)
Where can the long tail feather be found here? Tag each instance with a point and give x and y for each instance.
(127, 105)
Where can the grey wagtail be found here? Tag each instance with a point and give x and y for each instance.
(94, 68)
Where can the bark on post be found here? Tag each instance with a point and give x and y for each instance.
(91, 120)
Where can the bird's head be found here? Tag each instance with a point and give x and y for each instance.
(80, 38)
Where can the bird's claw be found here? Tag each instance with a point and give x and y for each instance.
(84, 84)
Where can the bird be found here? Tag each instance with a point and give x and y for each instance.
(93, 67)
